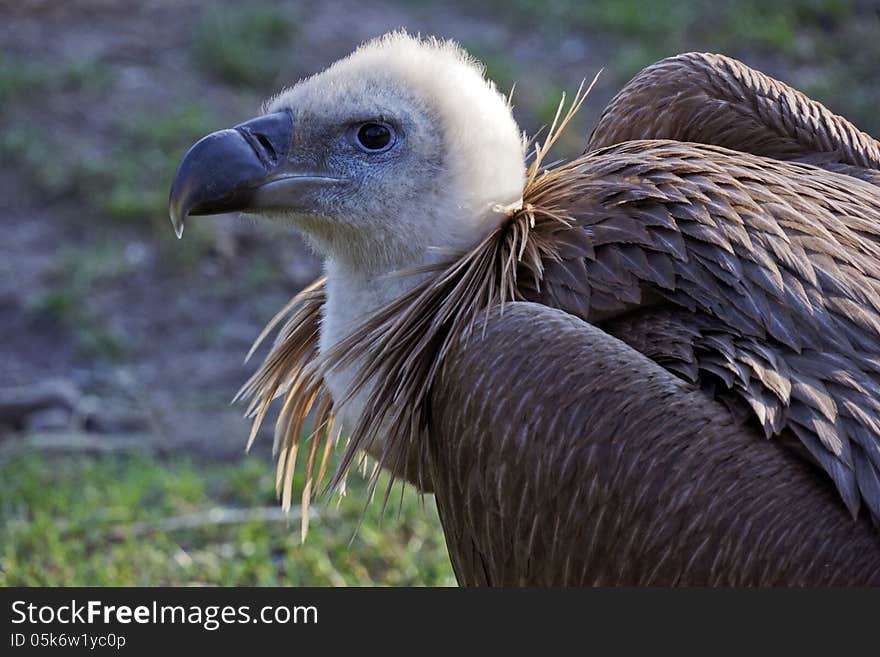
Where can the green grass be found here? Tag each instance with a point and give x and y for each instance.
(71, 520)
(128, 181)
(52, 169)
(21, 79)
(243, 46)
(746, 23)
(103, 263)
(86, 74)
(138, 175)
(66, 301)
(69, 311)
(124, 179)
(828, 48)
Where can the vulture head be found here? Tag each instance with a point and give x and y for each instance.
(398, 149)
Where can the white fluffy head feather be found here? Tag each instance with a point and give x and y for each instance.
(463, 152)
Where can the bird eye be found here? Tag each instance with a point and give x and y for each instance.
(375, 137)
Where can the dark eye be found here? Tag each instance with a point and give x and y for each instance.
(374, 137)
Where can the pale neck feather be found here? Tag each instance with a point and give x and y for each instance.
(355, 292)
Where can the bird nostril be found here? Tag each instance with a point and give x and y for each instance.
(268, 149)
(269, 136)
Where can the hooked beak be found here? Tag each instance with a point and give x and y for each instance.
(246, 168)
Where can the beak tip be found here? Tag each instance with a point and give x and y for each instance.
(177, 222)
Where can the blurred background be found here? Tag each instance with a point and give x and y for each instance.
(120, 347)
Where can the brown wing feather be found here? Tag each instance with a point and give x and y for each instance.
(778, 265)
(597, 466)
(713, 99)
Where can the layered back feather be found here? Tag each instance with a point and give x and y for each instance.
(763, 278)
(713, 99)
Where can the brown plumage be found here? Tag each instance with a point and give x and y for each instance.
(713, 99)
(777, 265)
(636, 478)
(745, 266)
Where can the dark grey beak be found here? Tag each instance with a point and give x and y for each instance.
(224, 171)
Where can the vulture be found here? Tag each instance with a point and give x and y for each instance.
(655, 364)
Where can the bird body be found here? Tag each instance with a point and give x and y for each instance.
(730, 278)
(655, 483)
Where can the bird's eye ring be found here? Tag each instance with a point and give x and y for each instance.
(375, 137)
